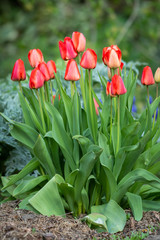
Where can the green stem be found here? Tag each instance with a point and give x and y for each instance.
(156, 90)
(41, 111)
(51, 91)
(154, 118)
(148, 92)
(82, 84)
(118, 126)
(72, 88)
(20, 86)
(111, 123)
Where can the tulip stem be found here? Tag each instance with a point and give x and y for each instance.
(51, 91)
(20, 86)
(82, 84)
(154, 118)
(148, 92)
(156, 90)
(118, 127)
(41, 111)
(111, 123)
(72, 88)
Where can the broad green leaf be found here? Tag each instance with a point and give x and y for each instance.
(129, 133)
(135, 203)
(27, 185)
(29, 168)
(41, 152)
(67, 191)
(132, 177)
(116, 217)
(47, 201)
(72, 176)
(149, 205)
(85, 199)
(9, 189)
(84, 142)
(97, 220)
(24, 204)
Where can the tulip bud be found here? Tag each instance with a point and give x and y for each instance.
(44, 69)
(67, 49)
(18, 72)
(96, 106)
(157, 75)
(89, 59)
(72, 72)
(36, 79)
(147, 76)
(111, 56)
(35, 57)
(79, 41)
(117, 86)
(52, 68)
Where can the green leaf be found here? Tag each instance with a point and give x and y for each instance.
(47, 201)
(29, 168)
(27, 185)
(135, 203)
(97, 220)
(116, 217)
(41, 152)
(149, 205)
(84, 142)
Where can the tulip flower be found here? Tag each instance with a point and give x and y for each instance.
(117, 86)
(157, 75)
(44, 69)
(36, 79)
(72, 72)
(67, 49)
(89, 59)
(18, 72)
(111, 56)
(147, 76)
(35, 57)
(52, 68)
(79, 41)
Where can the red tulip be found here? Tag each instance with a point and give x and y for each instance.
(35, 57)
(147, 76)
(117, 85)
(79, 41)
(72, 72)
(67, 49)
(44, 69)
(18, 72)
(108, 89)
(96, 106)
(52, 68)
(89, 59)
(36, 79)
(111, 56)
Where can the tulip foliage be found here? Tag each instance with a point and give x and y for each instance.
(92, 156)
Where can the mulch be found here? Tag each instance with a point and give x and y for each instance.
(17, 224)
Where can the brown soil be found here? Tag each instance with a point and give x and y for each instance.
(22, 224)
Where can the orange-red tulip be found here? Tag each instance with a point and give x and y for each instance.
(79, 41)
(111, 56)
(35, 57)
(72, 72)
(36, 79)
(117, 85)
(18, 72)
(147, 76)
(67, 49)
(44, 69)
(108, 89)
(89, 59)
(52, 68)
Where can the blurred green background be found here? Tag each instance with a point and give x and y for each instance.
(131, 24)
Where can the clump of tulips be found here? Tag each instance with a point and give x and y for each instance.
(92, 156)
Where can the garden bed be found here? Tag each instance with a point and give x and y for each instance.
(22, 224)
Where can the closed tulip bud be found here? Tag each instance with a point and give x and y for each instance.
(111, 56)
(79, 41)
(18, 72)
(96, 106)
(44, 69)
(67, 49)
(147, 76)
(157, 75)
(72, 72)
(89, 59)
(35, 57)
(117, 85)
(52, 68)
(36, 79)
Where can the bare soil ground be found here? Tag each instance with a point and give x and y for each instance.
(22, 224)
